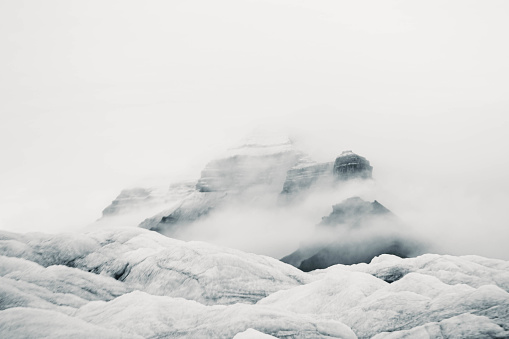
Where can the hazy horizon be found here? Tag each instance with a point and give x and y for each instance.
(140, 94)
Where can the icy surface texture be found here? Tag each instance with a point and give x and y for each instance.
(134, 283)
(370, 306)
(166, 317)
(158, 265)
(462, 326)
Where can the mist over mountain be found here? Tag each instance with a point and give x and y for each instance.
(266, 184)
(349, 268)
(136, 201)
(356, 231)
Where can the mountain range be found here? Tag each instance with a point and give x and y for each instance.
(356, 271)
(268, 170)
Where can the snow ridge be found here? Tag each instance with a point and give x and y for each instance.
(71, 285)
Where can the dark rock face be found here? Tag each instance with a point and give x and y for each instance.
(356, 231)
(350, 165)
(347, 166)
(354, 211)
(349, 253)
(194, 207)
(301, 178)
(296, 258)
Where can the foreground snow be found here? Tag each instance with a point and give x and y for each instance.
(134, 283)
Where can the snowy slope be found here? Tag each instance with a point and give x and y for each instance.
(255, 168)
(134, 283)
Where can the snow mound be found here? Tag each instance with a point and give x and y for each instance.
(158, 265)
(252, 334)
(134, 283)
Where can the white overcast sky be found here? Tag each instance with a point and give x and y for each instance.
(101, 95)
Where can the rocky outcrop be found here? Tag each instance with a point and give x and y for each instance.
(308, 174)
(354, 251)
(350, 166)
(240, 172)
(356, 231)
(303, 177)
(140, 198)
(355, 212)
(256, 168)
(258, 174)
(259, 160)
(192, 208)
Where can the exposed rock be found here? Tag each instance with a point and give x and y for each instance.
(139, 198)
(255, 163)
(356, 231)
(354, 212)
(264, 167)
(353, 252)
(256, 168)
(192, 208)
(350, 165)
(304, 252)
(132, 206)
(303, 177)
(307, 174)
(391, 274)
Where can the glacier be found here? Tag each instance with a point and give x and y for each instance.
(137, 283)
